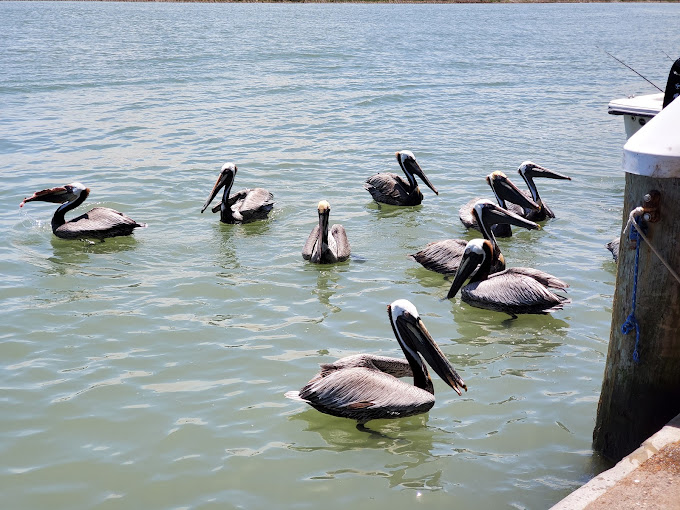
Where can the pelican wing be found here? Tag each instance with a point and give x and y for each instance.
(251, 204)
(397, 367)
(441, 256)
(99, 223)
(388, 188)
(517, 209)
(365, 394)
(613, 247)
(465, 214)
(342, 244)
(308, 248)
(512, 293)
(545, 279)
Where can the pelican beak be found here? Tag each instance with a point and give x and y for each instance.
(57, 195)
(505, 190)
(413, 167)
(224, 179)
(414, 332)
(492, 214)
(539, 171)
(468, 265)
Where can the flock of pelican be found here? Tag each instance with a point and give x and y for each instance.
(365, 387)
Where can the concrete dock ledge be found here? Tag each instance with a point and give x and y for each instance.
(647, 478)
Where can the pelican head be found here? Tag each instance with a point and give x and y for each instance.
(324, 207)
(487, 213)
(476, 253)
(226, 180)
(407, 162)
(58, 195)
(504, 190)
(531, 170)
(414, 338)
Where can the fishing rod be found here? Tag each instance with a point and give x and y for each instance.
(622, 62)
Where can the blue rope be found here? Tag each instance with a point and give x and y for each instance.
(631, 322)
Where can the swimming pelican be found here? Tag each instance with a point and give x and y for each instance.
(321, 248)
(247, 205)
(98, 223)
(365, 387)
(513, 291)
(389, 188)
(444, 256)
(529, 171)
(613, 247)
(503, 189)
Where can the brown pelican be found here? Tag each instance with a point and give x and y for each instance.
(513, 291)
(366, 387)
(529, 171)
(613, 247)
(389, 188)
(444, 256)
(504, 190)
(97, 223)
(247, 205)
(321, 248)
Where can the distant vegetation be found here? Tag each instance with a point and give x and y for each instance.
(403, 1)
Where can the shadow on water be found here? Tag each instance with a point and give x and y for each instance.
(384, 211)
(536, 333)
(341, 434)
(224, 240)
(70, 253)
(327, 281)
(227, 237)
(409, 441)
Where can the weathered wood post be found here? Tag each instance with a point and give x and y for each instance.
(638, 398)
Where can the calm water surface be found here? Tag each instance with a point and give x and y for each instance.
(149, 372)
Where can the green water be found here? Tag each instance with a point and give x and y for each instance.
(149, 372)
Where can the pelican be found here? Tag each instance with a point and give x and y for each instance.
(613, 247)
(444, 256)
(321, 248)
(365, 387)
(529, 171)
(389, 188)
(513, 291)
(98, 223)
(247, 205)
(503, 189)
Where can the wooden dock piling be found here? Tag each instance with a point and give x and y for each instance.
(638, 398)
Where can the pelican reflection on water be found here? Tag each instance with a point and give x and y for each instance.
(322, 246)
(98, 223)
(366, 387)
(390, 188)
(249, 204)
(445, 256)
(516, 290)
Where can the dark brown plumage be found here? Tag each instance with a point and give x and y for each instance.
(503, 189)
(324, 246)
(97, 223)
(392, 189)
(247, 205)
(517, 290)
(365, 387)
(444, 256)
